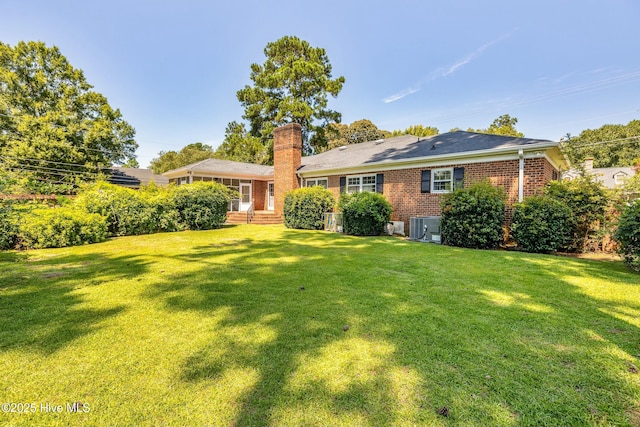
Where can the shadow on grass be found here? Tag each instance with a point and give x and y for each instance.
(497, 337)
(41, 307)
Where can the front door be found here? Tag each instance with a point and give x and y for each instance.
(245, 196)
(270, 196)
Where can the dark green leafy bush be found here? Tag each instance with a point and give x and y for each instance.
(628, 235)
(201, 205)
(8, 226)
(304, 207)
(60, 227)
(364, 214)
(588, 202)
(541, 224)
(127, 213)
(473, 217)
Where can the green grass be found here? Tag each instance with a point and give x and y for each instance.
(213, 328)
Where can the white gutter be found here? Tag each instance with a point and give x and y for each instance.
(521, 176)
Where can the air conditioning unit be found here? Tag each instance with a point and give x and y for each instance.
(395, 227)
(425, 229)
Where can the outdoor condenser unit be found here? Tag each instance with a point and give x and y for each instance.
(425, 229)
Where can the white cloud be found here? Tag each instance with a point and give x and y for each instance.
(447, 71)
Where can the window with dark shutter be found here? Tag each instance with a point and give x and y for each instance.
(343, 183)
(379, 183)
(425, 184)
(458, 178)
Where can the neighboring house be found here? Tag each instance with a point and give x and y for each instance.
(609, 177)
(135, 177)
(413, 173)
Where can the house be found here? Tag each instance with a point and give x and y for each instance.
(609, 177)
(412, 172)
(135, 177)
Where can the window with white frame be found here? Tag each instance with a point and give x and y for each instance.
(361, 183)
(322, 182)
(619, 178)
(442, 180)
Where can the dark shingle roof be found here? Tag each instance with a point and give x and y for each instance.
(408, 147)
(135, 177)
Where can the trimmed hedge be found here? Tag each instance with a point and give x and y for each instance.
(541, 224)
(304, 207)
(201, 205)
(473, 217)
(628, 235)
(60, 227)
(364, 214)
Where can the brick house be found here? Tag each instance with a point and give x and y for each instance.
(411, 172)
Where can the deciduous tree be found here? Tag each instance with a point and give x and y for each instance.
(609, 145)
(503, 125)
(53, 127)
(191, 153)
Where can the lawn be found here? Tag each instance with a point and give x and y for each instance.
(260, 325)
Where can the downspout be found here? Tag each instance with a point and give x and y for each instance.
(521, 176)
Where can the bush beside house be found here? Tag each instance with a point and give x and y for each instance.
(541, 224)
(201, 205)
(364, 214)
(304, 208)
(473, 217)
(628, 235)
(588, 202)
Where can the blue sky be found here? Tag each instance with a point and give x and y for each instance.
(173, 67)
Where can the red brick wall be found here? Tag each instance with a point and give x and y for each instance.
(287, 157)
(402, 187)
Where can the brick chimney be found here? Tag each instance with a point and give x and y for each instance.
(588, 164)
(287, 158)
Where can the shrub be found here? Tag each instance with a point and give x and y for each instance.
(165, 216)
(588, 202)
(473, 217)
(304, 207)
(8, 226)
(364, 214)
(59, 227)
(628, 235)
(541, 224)
(126, 212)
(201, 205)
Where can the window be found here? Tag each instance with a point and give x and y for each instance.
(442, 180)
(361, 183)
(620, 178)
(322, 182)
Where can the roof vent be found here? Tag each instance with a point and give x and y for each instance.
(342, 148)
(378, 141)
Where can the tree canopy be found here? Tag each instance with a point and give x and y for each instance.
(609, 145)
(417, 130)
(191, 153)
(292, 86)
(359, 131)
(54, 129)
(240, 146)
(503, 125)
